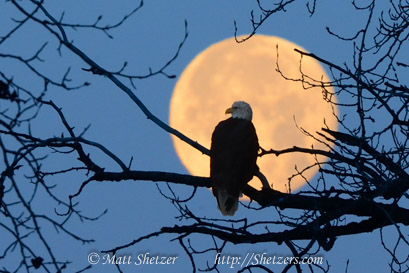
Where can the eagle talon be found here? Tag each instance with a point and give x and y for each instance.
(264, 181)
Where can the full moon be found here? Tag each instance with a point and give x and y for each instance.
(227, 72)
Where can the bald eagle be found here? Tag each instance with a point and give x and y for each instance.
(233, 156)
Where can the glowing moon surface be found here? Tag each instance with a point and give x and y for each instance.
(226, 72)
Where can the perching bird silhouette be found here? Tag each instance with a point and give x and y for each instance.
(233, 156)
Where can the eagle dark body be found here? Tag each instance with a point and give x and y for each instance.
(233, 156)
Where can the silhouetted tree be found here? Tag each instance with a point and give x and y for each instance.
(360, 188)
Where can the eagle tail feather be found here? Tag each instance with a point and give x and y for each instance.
(226, 203)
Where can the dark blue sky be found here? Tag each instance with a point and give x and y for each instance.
(149, 39)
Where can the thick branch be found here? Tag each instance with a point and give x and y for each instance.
(176, 178)
(270, 197)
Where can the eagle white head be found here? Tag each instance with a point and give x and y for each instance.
(241, 110)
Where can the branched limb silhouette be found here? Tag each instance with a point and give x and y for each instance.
(361, 187)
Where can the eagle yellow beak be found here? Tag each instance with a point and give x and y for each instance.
(229, 111)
